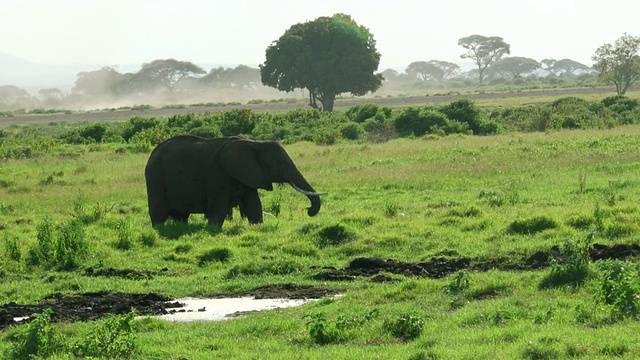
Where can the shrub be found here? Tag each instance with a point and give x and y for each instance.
(532, 225)
(237, 122)
(571, 266)
(113, 339)
(136, 125)
(351, 131)
(321, 331)
(419, 121)
(124, 240)
(12, 249)
(620, 288)
(620, 103)
(214, 255)
(333, 235)
(406, 327)
(38, 339)
(466, 112)
(362, 112)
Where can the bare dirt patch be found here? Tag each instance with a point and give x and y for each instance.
(91, 306)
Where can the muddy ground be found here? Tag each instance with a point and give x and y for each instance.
(91, 306)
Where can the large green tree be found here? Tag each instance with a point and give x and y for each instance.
(327, 56)
(166, 73)
(619, 62)
(484, 51)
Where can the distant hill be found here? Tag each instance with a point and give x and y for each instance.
(32, 77)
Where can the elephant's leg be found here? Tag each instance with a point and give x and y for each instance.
(217, 211)
(230, 213)
(157, 212)
(251, 207)
(179, 216)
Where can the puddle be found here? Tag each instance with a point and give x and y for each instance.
(195, 309)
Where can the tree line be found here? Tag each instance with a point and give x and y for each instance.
(334, 55)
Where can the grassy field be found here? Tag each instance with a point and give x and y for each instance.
(496, 199)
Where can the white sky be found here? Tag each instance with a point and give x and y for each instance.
(112, 32)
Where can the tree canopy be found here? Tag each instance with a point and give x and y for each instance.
(432, 70)
(484, 51)
(166, 73)
(514, 66)
(619, 62)
(327, 56)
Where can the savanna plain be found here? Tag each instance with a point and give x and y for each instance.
(513, 245)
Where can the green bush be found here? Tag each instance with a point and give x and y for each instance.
(38, 339)
(136, 125)
(113, 339)
(419, 121)
(334, 235)
(620, 288)
(620, 103)
(466, 112)
(406, 327)
(532, 225)
(237, 122)
(351, 131)
(571, 265)
(214, 255)
(362, 112)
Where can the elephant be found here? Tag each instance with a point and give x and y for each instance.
(192, 175)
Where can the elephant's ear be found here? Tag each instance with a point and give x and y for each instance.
(240, 160)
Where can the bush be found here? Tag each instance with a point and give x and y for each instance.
(362, 112)
(237, 122)
(333, 235)
(114, 339)
(38, 339)
(351, 131)
(532, 225)
(620, 288)
(466, 112)
(137, 124)
(419, 121)
(214, 255)
(406, 327)
(620, 103)
(571, 266)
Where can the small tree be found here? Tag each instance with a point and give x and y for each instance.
(327, 56)
(619, 63)
(484, 51)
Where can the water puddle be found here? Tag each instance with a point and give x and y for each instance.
(195, 309)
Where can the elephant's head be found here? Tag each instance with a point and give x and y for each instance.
(260, 164)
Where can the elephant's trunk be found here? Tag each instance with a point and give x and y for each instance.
(313, 196)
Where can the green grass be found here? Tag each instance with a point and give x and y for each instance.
(408, 199)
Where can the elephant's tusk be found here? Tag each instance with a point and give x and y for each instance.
(309, 193)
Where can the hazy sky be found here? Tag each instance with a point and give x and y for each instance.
(111, 32)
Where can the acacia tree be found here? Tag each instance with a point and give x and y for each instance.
(484, 51)
(514, 66)
(447, 69)
(106, 82)
(563, 67)
(424, 71)
(619, 63)
(166, 73)
(327, 56)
